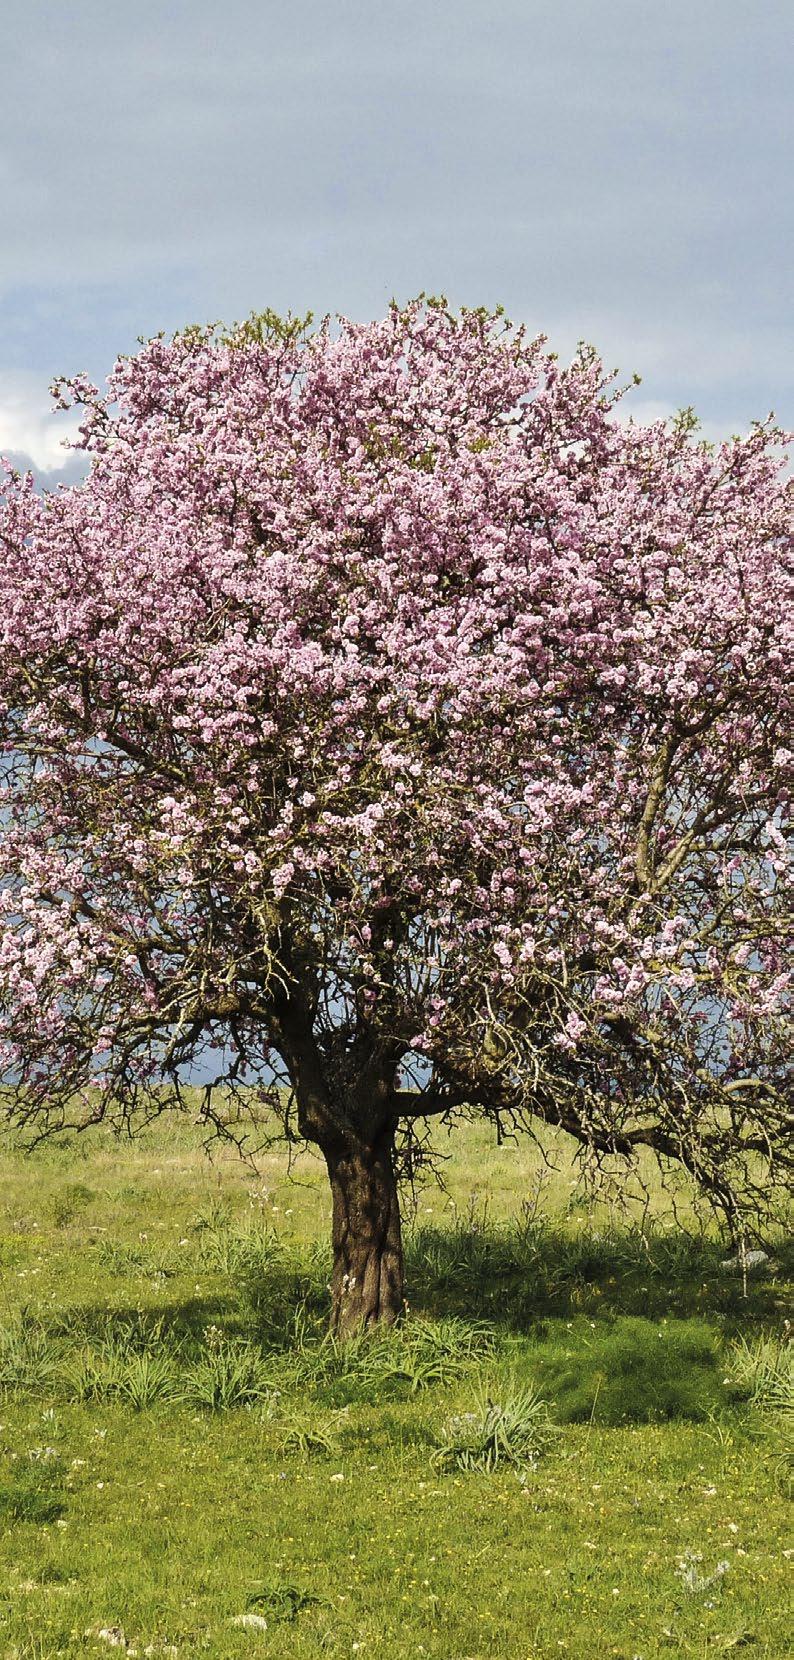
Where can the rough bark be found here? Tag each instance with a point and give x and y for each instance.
(367, 1279)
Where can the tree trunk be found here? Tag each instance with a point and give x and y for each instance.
(367, 1280)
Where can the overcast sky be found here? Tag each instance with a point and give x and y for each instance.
(617, 170)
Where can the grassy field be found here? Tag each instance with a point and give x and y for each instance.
(575, 1446)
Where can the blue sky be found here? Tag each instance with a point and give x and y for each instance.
(617, 170)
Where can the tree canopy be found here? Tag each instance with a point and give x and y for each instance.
(390, 728)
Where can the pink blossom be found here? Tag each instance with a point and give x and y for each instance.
(379, 683)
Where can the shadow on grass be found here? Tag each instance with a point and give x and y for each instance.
(609, 1327)
(181, 1323)
(273, 1307)
(518, 1274)
(516, 1277)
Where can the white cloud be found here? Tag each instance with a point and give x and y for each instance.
(29, 426)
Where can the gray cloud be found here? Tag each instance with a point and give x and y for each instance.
(616, 171)
(48, 478)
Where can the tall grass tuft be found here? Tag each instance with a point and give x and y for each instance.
(513, 1432)
(403, 1359)
(761, 1371)
(318, 1437)
(226, 1375)
(145, 1380)
(28, 1358)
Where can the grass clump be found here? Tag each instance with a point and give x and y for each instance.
(428, 1352)
(28, 1362)
(761, 1372)
(284, 1601)
(250, 1251)
(226, 1375)
(145, 1380)
(91, 1377)
(312, 1438)
(69, 1202)
(513, 1432)
(139, 1381)
(399, 1361)
(133, 1363)
(123, 1260)
(631, 1371)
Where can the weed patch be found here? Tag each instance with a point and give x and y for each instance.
(284, 1601)
(514, 1431)
(69, 1202)
(313, 1437)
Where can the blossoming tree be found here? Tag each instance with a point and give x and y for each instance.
(390, 730)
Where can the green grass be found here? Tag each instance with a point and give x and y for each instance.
(580, 1424)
